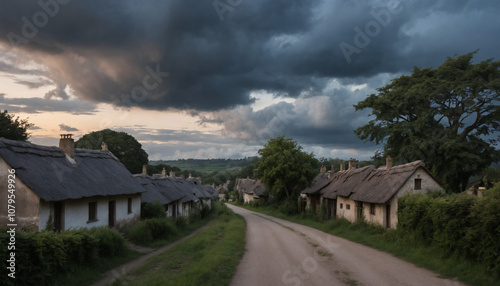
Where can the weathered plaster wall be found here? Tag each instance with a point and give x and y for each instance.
(247, 197)
(378, 217)
(76, 212)
(26, 201)
(350, 214)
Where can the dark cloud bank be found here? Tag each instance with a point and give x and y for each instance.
(191, 55)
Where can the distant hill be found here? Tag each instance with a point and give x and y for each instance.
(207, 166)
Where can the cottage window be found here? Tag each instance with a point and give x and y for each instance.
(341, 206)
(347, 206)
(129, 205)
(92, 212)
(418, 184)
(372, 209)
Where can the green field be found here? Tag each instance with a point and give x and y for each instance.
(207, 166)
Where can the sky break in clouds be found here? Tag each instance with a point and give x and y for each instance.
(204, 80)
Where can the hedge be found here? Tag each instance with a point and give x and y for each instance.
(464, 226)
(42, 256)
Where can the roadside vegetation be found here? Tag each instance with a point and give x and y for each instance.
(209, 258)
(66, 257)
(457, 236)
(156, 230)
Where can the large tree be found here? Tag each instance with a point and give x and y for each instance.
(447, 116)
(124, 146)
(284, 168)
(13, 128)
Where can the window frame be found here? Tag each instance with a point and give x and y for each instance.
(417, 186)
(92, 212)
(129, 205)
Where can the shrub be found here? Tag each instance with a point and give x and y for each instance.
(110, 242)
(147, 231)
(153, 210)
(181, 222)
(463, 226)
(288, 207)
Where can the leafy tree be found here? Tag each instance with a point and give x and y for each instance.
(445, 116)
(124, 146)
(284, 168)
(14, 128)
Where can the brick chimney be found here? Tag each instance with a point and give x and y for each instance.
(190, 175)
(342, 165)
(144, 170)
(104, 146)
(164, 172)
(332, 168)
(67, 144)
(352, 164)
(388, 162)
(172, 174)
(322, 169)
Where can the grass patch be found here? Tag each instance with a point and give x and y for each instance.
(87, 275)
(392, 242)
(209, 258)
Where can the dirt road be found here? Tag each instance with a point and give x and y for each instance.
(284, 253)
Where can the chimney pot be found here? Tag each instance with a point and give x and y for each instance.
(104, 146)
(342, 165)
(172, 174)
(144, 169)
(322, 169)
(163, 172)
(67, 144)
(388, 162)
(352, 163)
(190, 175)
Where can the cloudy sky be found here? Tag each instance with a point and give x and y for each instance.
(217, 79)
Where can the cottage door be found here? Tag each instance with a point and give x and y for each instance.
(58, 216)
(111, 214)
(388, 216)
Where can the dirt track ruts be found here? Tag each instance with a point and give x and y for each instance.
(280, 252)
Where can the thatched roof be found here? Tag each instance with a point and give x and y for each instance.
(318, 183)
(367, 184)
(382, 184)
(344, 183)
(47, 171)
(165, 190)
(250, 186)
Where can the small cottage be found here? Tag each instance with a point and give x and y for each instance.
(369, 193)
(178, 195)
(67, 187)
(251, 190)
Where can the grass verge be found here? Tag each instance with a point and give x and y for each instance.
(91, 274)
(392, 242)
(209, 258)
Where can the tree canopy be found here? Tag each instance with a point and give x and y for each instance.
(124, 146)
(446, 116)
(13, 128)
(284, 168)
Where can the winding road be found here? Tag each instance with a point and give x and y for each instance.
(280, 252)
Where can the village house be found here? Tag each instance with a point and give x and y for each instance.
(71, 188)
(178, 195)
(251, 190)
(369, 193)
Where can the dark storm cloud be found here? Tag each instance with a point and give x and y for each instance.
(38, 105)
(183, 55)
(101, 48)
